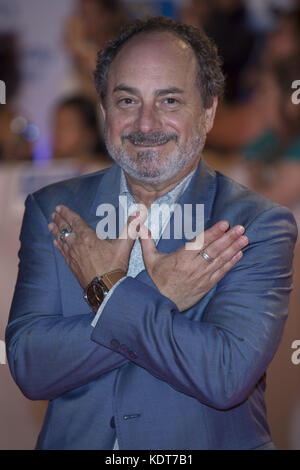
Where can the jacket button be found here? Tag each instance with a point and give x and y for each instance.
(124, 348)
(132, 355)
(112, 422)
(135, 415)
(114, 343)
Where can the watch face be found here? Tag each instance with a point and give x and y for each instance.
(95, 295)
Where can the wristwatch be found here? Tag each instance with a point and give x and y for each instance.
(97, 289)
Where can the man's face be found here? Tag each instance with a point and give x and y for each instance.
(155, 124)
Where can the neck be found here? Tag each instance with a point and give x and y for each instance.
(147, 193)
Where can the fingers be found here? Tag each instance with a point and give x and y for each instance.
(146, 239)
(227, 246)
(134, 222)
(149, 250)
(61, 221)
(208, 236)
(226, 267)
(224, 253)
(70, 217)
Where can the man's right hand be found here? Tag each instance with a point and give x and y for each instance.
(184, 276)
(86, 254)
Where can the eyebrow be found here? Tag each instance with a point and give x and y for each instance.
(168, 91)
(160, 92)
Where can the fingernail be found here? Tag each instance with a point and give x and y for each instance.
(244, 240)
(224, 225)
(240, 229)
(58, 208)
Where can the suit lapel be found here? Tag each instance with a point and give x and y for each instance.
(108, 190)
(201, 190)
(107, 193)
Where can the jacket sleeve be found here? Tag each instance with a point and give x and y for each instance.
(48, 353)
(219, 359)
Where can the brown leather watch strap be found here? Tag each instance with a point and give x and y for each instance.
(111, 278)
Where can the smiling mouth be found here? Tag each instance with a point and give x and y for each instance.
(149, 144)
(154, 139)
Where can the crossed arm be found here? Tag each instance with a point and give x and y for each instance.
(217, 360)
(49, 353)
(217, 351)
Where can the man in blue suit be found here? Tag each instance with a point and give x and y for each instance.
(145, 341)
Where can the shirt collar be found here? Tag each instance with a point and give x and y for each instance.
(169, 198)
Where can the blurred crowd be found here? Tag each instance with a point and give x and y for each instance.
(255, 139)
(256, 136)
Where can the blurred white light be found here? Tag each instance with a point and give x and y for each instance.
(18, 124)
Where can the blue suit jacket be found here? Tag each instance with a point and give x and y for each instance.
(171, 380)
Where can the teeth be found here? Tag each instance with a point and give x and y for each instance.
(155, 144)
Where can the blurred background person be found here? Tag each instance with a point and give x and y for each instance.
(275, 153)
(77, 136)
(224, 21)
(77, 148)
(269, 162)
(93, 23)
(257, 140)
(13, 144)
(47, 58)
(227, 21)
(242, 117)
(284, 39)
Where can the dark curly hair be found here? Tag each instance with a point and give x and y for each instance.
(210, 78)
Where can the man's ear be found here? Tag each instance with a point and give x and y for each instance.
(210, 113)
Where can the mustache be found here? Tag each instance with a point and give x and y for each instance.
(151, 139)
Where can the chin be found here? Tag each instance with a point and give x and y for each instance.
(146, 176)
(154, 166)
(153, 175)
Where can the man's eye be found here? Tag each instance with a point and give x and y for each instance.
(171, 101)
(125, 101)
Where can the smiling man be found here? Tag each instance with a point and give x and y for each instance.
(156, 122)
(146, 341)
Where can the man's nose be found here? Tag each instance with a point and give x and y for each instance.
(148, 119)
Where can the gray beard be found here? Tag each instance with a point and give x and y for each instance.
(147, 167)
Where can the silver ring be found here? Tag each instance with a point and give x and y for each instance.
(65, 233)
(205, 256)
